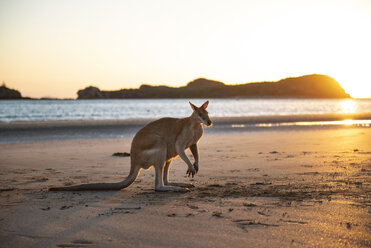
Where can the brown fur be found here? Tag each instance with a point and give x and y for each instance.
(157, 144)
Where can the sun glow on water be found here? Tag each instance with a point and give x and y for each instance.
(348, 122)
(363, 123)
(348, 106)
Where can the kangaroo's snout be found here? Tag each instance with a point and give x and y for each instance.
(209, 123)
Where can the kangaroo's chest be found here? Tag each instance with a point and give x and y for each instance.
(193, 136)
(185, 138)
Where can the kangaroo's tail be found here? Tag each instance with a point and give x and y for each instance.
(102, 186)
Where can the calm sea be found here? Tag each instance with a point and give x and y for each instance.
(45, 110)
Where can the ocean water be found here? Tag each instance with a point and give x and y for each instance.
(47, 110)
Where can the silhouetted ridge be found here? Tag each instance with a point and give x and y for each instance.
(308, 86)
(203, 82)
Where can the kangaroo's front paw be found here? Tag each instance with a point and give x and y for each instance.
(191, 172)
(195, 166)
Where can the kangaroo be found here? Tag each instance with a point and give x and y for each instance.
(157, 144)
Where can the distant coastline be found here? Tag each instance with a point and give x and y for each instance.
(314, 86)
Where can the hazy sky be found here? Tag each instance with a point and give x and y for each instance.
(53, 48)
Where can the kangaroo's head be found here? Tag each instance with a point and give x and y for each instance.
(200, 114)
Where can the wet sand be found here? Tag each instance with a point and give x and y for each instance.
(303, 188)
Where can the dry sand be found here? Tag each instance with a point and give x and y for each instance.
(265, 189)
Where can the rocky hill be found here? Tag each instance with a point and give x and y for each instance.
(7, 94)
(308, 86)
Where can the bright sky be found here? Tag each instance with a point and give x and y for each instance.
(53, 48)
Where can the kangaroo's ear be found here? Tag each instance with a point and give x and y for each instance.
(204, 106)
(193, 106)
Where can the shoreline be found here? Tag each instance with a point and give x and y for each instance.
(221, 120)
(19, 132)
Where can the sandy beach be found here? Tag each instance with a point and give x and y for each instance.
(278, 188)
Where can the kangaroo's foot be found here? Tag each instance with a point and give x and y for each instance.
(171, 189)
(184, 185)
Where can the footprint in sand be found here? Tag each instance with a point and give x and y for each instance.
(243, 224)
(217, 214)
(76, 243)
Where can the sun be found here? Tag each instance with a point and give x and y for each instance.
(304, 39)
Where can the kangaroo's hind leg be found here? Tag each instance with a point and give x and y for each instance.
(159, 183)
(166, 177)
